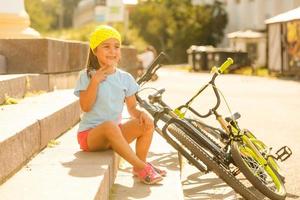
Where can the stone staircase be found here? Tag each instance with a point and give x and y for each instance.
(39, 154)
(40, 157)
(39, 150)
(39, 115)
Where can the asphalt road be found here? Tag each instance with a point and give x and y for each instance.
(270, 108)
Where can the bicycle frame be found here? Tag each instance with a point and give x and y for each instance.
(169, 116)
(252, 144)
(190, 138)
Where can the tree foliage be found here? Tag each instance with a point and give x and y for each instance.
(48, 15)
(174, 25)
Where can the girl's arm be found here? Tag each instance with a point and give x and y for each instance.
(87, 97)
(131, 104)
(135, 112)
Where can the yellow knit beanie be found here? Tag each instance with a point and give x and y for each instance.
(102, 33)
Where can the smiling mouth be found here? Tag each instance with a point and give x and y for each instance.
(112, 57)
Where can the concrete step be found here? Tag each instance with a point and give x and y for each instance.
(64, 172)
(20, 85)
(27, 127)
(161, 154)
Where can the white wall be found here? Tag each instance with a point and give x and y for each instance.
(240, 44)
(251, 14)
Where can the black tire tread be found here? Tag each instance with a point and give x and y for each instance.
(220, 171)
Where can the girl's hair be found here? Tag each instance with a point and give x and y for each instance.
(92, 63)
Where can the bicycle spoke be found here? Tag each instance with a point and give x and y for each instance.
(260, 173)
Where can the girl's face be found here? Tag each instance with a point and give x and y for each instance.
(108, 53)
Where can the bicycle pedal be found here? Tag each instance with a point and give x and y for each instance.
(283, 153)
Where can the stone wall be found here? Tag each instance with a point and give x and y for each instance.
(52, 56)
(43, 55)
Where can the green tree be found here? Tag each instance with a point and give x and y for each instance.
(174, 25)
(68, 7)
(48, 15)
(43, 14)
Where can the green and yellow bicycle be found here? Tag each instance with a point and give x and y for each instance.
(226, 151)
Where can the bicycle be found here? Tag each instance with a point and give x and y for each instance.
(248, 152)
(225, 155)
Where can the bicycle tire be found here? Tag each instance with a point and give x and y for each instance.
(181, 149)
(210, 132)
(245, 169)
(220, 171)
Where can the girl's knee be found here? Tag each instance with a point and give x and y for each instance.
(149, 128)
(111, 129)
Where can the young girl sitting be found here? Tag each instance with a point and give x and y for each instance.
(102, 89)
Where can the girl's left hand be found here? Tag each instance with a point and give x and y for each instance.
(145, 120)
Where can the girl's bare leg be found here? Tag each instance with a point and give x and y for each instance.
(132, 130)
(107, 135)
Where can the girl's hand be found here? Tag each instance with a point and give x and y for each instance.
(145, 120)
(99, 76)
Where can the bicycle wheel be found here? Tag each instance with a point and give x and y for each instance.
(210, 162)
(213, 133)
(263, 149)
(263, 178)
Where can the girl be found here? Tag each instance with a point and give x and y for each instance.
(102, 89)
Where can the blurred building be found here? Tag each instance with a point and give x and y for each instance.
(246, 28)
(251, 14)
(284, 42)
(102, 11)
(252, 42)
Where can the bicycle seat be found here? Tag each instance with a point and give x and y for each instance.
(234, 117)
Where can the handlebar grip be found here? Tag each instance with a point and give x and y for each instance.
(225, 65)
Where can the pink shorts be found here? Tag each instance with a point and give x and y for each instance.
(82, 139)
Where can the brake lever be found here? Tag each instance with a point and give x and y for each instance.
(154, 66)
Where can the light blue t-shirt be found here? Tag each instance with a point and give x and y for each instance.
(110, 98)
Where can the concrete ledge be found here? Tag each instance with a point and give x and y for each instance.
(129, 62)
(27, 127)
(17, 86)
(18, 149)
(12, 85)
(64, 172)
(62, 80)
(37, 82)
(49, 55)
(43, 55)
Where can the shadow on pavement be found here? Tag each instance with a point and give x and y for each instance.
(88, 164)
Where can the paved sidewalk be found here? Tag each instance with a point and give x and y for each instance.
(197, 185)
(162, 155)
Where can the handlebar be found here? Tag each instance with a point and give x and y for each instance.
(216, 71)
(156, 97)
(153, 67)
(225, 65)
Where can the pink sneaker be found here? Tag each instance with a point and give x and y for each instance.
(156, 169)
(159, 171)
(148, 175)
